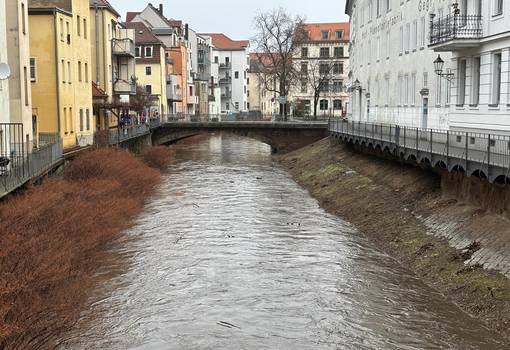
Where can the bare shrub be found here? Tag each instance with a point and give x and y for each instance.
(51, 236)
(158, 157)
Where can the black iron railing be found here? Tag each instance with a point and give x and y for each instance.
(453, 27)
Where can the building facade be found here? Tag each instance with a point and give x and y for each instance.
(60, 51)
(150, 67)
(18, 53)
(112, 63)
(391, 75)
(260, 99)
(475, 33)
(323, 62)
(4, 84)
(231, 59)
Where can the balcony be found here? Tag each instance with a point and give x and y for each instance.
(192, 100)
(226, 95)
(455, 32)
(225, 65)
(226, 80)
(124, 45)
(124, 87)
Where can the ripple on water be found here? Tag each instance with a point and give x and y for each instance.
(232, 254)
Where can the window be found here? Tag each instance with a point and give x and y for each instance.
(304, 86)
(148, 89)
(66, 125)
(496, 78)
(79, 72)
(237, 105)
(337, 86)
(414, 40)
(338, 52)
(137, 51)
(324, 86)
(25, 77)
(70, 122)
(498, 7)
(87, 119)
(148, 51)
(337, 105)
(148, 70)
(68, 32)
(216, 59)
(304, 68)
(78, 25)
(324, 69)
(86, 72)
(33, 70)
(23, 19)
(338, 68)
(401, 47)
(81, 119)
(325, 35)
(324, 105)
(236, 75)
(85, 29)
(69, 74)
(339, 34)
(423, 32)
(475, 94)
(408, 37)
(61, 29)
(461, 93)
(324, 52)
(413, 89)
(63, 72)
(304, 52)
(388, 43)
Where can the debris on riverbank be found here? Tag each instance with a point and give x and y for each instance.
(51, 235)
(397, 207)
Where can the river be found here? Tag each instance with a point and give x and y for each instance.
(233, 254)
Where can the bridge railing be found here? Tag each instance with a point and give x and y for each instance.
(483, 148)
(125, 133)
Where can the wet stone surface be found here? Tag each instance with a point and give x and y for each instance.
(233, 254)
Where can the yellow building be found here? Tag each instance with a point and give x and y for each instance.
(60, 50)
(113, 63)
(150, 67)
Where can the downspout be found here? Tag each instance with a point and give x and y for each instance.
(58, 73)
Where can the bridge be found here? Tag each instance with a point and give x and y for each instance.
(486, 156)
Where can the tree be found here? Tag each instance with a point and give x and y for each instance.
(278, 34)
(141, 100)
(318, 77)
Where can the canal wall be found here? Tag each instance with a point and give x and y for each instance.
(52, 235)
(452, 232)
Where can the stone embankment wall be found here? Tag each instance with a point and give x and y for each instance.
(446, 237)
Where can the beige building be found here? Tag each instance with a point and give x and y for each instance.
(112, 63)
(18, 57)
(260, 98)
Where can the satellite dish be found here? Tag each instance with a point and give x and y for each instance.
(5, 71)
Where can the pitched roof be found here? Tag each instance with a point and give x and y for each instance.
(223, 42)
(97, 92)
(131, 16)
(104, 4)
(316, 30)
(65, 5)
(143, 34)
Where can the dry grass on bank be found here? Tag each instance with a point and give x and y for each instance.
(51, 234)
(158, 157)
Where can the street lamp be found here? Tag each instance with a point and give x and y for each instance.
(438, 68)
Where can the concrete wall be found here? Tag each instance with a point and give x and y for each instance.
(391, 78)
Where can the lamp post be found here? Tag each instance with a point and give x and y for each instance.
(438, 68)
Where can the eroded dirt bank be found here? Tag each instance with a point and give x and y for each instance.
(404, 212)
(52, 234)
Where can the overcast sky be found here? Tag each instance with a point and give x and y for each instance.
(235, 17)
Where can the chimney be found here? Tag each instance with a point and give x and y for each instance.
(186, 31)
(161, 9)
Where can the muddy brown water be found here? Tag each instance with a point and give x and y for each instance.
(233, 254)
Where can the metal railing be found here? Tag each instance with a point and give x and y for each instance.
(125, 133)
(455, 26)
(19, 162)
(488, 151)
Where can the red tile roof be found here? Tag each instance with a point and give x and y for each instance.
(131, 15)
(97, 92)
(223, 42)
(316, 29)
(143, 34)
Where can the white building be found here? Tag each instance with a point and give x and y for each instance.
(4, 84)
(231, 60)
(392, 77)
(477, 35)
(323, 62)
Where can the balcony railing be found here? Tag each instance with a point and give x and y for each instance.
(226, 80)
(455, 27)
(124, 87)
(226, 95)
(225, 65)
(123, 47)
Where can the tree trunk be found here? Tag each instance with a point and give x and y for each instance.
(315, 105)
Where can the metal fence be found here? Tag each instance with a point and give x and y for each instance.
(125, 133)
(455, 26)
(20, 161)
(487, 150)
